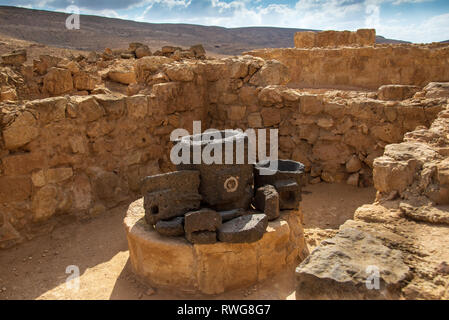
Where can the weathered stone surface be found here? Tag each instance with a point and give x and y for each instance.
(148, 65)
(432, 214)
(272, 73)
(330, 38)
(341, 267)
(171, 228)
(286, 176)
(170, 194)
(23, 130)
(354, 164)
(17, 188)
(202, 237)
(58, 81)
(22, 163)
(122, 74)
(198, 51)
(202, 220)
(223, 186)
(211, 268)
(247, 228)
(142, 51)
(396, 92)
(88, 108)
(16, 57)
(231, 214)
(266, 200)
(85, 81)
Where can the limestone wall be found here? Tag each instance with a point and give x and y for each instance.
(417, 169)
(363, 67)
(331, 38)
(78, 156)
(336, 134)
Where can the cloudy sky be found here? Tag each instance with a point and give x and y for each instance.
(412, 20)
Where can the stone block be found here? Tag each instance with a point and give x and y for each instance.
(267, 201)
(202, 237)
(170, 194)
(202, 220)
(248, 228)
(171, 228)
(231, 214)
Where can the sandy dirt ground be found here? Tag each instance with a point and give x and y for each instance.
(37, 269)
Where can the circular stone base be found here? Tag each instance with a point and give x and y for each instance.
(175, 263)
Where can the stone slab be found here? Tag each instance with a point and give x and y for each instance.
(248, 228)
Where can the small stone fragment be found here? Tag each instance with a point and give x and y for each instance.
(171, 228)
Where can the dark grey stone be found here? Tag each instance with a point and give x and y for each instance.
(223, 186)
(202, 237)
(289, 194)
(202, 220)
(288, 179)
(247, 228)
(171, 228)
(231, 214)
(267, 201)
(170, 195)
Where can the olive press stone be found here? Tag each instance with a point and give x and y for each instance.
(171, 228)
(202, 237)
(231, 214)
(247, 228)
(223, 186)
(287, 176)
(202, 220)
(267, 201)
(170, 195)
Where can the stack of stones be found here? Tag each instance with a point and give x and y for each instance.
(207, 203)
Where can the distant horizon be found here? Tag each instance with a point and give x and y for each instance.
(416, 21)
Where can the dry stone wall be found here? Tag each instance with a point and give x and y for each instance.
(363, 67)
(79, 156)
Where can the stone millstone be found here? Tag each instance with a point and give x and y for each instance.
(202, 237)
(341, 267)
(267, 201)
(248, 228)
(231, 214)
(202, 220)
(171, 228)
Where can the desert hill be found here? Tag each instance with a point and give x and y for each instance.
(97, 33)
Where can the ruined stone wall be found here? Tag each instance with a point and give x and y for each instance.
(78, 156)
(363, 67)
(336, 134)
(83, 155)
(417, 169)
(331, 38)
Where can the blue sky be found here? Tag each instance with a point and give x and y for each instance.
(412, 20)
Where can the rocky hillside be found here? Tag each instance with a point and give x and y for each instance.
(97, 33)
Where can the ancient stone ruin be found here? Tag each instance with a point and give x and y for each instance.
(205, 203)
(83, 135)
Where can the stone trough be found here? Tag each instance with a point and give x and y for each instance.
(204, 229)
